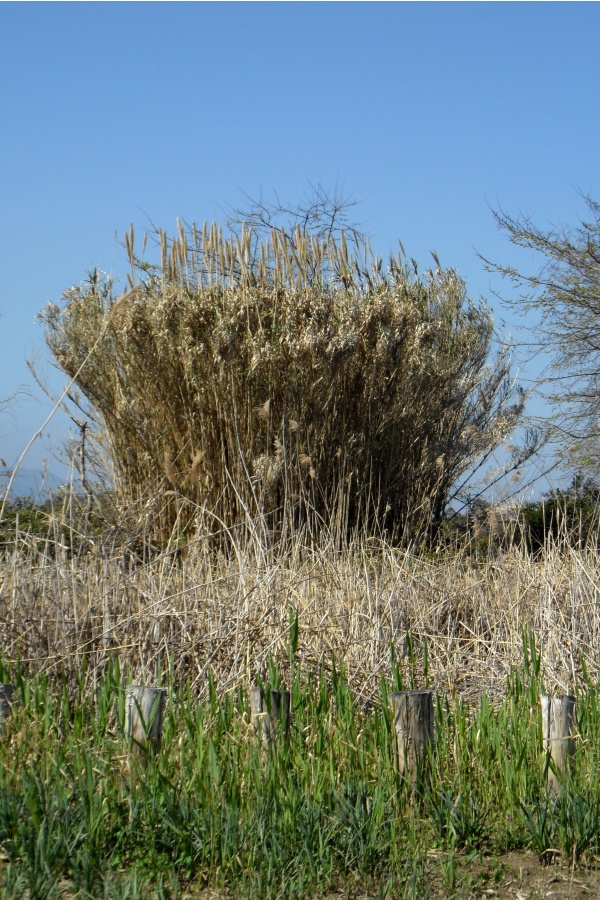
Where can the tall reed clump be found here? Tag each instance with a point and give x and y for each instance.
(286, 382)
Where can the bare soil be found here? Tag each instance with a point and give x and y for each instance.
(523, 877)
(513, 876)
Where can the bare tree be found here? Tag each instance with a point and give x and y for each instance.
(320, 212)
(564, 296)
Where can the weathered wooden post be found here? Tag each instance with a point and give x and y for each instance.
(144, 707)
(267, 721)
(558, 728)
(413, 727)
(6, 698)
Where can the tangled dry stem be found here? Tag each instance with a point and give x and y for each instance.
(207, 615)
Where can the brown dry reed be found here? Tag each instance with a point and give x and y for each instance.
(285, 383)
(221, 616)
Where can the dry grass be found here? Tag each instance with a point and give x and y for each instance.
(209, 615)
(310, 381)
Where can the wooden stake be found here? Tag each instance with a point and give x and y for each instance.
(6, 698)
(268, 721)
(558, 728)
(144, 707)
(413, 727)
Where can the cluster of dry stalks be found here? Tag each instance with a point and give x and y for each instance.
(261, 401)
(210, 615)
(286, 378)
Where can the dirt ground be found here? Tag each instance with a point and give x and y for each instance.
(523, 877)
(514, 876)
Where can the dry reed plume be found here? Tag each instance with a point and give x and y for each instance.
(291, 380)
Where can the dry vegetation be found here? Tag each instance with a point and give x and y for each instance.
(281, 414)
(292, 381)
(222, 615)
(281, 424)
(286, 424)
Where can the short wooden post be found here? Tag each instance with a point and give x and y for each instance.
(144, 707)
(558, 728)
(413, 727)
(267, 721)
(6, 699)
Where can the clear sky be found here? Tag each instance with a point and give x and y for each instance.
(129, 112)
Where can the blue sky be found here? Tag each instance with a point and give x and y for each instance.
(128, 112)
